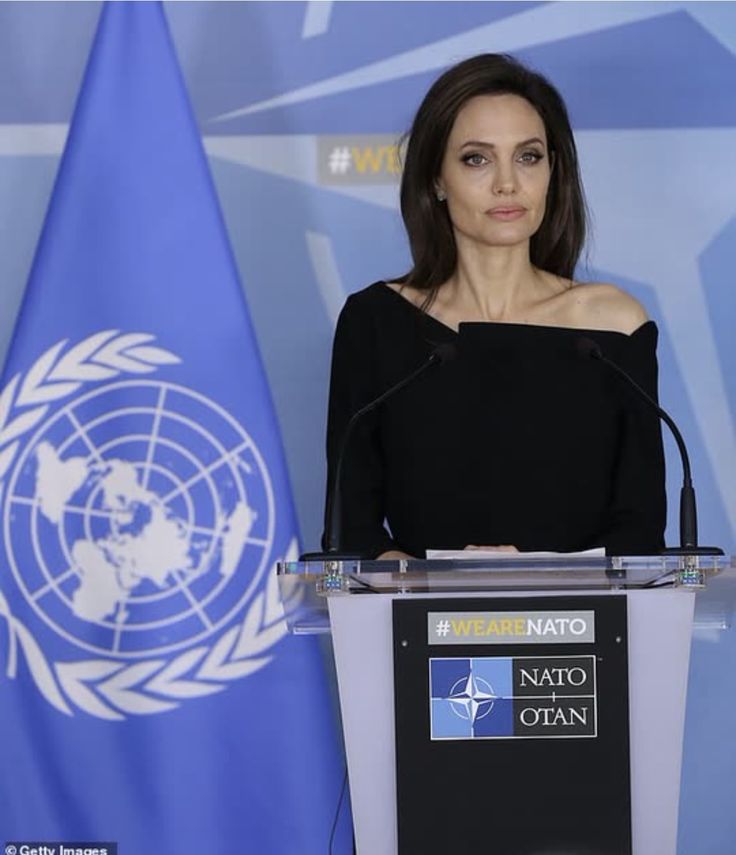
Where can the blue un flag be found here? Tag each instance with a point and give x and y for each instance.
(151, 694)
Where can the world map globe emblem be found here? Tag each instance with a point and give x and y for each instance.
(138, 519)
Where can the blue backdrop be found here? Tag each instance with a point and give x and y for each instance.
(300, 106)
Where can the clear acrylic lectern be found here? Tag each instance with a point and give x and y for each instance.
(477, 724)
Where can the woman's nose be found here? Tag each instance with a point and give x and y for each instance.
(504, 181)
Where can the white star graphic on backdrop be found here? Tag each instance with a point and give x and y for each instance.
(636, 171)
(316, 18)
(670, 219)
(547, 23)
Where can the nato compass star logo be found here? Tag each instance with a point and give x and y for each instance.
(512, 697)
(472, 698)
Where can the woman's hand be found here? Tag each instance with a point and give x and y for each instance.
(503, 548)
(394, 555)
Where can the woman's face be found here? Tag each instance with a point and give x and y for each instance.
(496, 171)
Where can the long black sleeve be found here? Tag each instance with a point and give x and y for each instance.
(638, 511)
(353, 384)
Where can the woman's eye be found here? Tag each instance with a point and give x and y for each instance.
(474, 159)
(531, 156)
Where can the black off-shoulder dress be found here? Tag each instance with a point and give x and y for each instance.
(517, 440)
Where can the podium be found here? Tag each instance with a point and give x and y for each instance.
(525, 706)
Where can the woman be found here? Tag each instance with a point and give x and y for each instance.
(519, 442)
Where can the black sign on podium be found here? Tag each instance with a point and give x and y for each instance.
(512, 725)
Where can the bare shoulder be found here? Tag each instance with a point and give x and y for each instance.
(602, 306)
(413, 295)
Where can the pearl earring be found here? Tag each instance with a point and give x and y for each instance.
(441, 195)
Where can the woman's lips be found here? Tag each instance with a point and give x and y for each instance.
(506, 213)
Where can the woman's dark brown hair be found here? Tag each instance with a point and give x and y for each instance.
(557, 244)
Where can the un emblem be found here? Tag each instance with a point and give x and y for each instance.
(138, 521)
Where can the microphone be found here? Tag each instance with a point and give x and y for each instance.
(442, 354)
(589, 349)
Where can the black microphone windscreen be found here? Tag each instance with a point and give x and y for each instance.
(588, 349)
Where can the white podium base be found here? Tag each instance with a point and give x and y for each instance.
(660, 625)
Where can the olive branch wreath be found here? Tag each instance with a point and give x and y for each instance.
(108, 688)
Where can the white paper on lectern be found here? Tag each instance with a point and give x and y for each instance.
(486, 554)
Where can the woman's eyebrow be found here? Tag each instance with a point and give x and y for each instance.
(481, 144)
